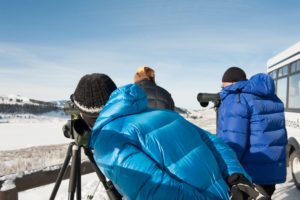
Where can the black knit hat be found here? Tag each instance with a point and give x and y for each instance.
(234, 74)
(92, 93)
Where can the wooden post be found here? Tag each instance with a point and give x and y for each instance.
(37, 179)
(11, 194)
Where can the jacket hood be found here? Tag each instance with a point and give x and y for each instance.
(125, 100)
(260, 84)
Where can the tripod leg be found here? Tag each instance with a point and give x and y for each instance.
(102, 178)
(62, 171)
(111, 191)
(73, 173)
(78, 175)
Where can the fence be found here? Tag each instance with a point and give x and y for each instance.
(28, 180)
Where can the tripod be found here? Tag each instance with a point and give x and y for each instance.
(74, 152)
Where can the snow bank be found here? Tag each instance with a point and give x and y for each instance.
(9, 181)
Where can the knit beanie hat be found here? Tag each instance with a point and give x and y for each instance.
(144, 72)
(92, 93)
(234, 74)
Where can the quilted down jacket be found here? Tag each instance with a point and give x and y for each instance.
(157, 154)
(158, 97)
(251, 121)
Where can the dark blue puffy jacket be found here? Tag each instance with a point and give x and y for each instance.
(157, 154)
(251, 121)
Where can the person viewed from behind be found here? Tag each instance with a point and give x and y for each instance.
(158, 97)
(251, 121)
(155, 153)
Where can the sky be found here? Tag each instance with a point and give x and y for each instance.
(47, 46)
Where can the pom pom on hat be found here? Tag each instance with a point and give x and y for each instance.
(92, 93)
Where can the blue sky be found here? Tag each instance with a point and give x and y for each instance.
(47, 46)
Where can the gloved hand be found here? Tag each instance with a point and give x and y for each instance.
(78, 130)
(241, 189)
(80, 126)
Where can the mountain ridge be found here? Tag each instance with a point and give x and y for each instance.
(16, 105)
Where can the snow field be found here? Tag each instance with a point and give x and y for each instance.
(35, 142)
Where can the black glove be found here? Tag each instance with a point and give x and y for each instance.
(78, 130)
(241, 189)
(75, 126)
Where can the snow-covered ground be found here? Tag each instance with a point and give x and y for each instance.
(26, 130)
(23, 135)
(31, 141)
(32, 132)
(285, 191)
(89, 183)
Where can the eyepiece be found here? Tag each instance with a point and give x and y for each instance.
(70, 109)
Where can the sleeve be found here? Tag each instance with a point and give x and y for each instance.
(224, 155)
(235, 127)
(134, 174)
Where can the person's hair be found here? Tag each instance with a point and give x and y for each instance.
(144, 72)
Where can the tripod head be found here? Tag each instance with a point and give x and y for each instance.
(75, 128)
(205, 98)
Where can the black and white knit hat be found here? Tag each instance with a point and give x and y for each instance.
(234, 74)
(92, 93)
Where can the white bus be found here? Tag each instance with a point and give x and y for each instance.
(284, 68)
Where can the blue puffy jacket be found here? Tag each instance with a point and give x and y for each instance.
(251, 121)
(157, 154)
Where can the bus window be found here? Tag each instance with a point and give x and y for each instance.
(282, 89)
(293, 67)
(294, 91)
(298, 65)
(273, 74)
(283, 71)
(280, 72)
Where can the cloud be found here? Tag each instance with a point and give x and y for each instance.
(47, 72)
(185, 63)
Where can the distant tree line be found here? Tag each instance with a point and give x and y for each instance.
(42, 103)
(28, 108)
